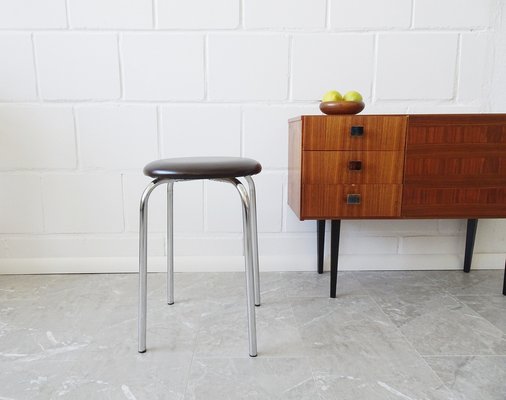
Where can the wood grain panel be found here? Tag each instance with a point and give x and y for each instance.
(457, 134)
(330, 201)
(333, 132)
(332, 167)
(457, 119)
(456, 169)
(294, 165)
(469, 202)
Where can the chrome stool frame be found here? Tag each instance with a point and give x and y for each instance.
(250, 253)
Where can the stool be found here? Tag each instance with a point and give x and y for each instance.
(224, 169)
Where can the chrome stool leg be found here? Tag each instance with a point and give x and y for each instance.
(250, 255)
(143, 263)
(170, 242)
(254, 237)
(250, 295)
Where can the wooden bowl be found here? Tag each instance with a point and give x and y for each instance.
(341, 107)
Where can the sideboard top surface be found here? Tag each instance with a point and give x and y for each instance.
(499, 118)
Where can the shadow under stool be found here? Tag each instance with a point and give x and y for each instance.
(223, 169)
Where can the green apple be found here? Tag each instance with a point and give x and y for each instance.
(353, 96)
(332, 95)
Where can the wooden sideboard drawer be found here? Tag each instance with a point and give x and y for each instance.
(350, 201)
(333, 167)
(457, 134)
(475, 129)
(454, 202)
(456, 168)
(353, 132)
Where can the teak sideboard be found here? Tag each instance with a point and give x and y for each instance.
(396, 166)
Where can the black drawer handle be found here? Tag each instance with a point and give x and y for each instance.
(355, 165)
(357, 131)
(352, 199)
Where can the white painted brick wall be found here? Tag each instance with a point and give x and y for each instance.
(341, 62)
(70, 246)
(117, 137)
(17, 70)
(198, 14)
(490, 236)
(475, 66)
(269, 190)
(82, 203)
(295, 14)
(373, 14)
(353, 244)
(201, 130)
(77, 66)
(33, 14)
(163, 66)
(463, 14)
(21, 204)
(416, 66)
(222, 208)
(432, 245)
(248, 67)
(36, 137)
(92, 90)
(111, 14)
(498, 78)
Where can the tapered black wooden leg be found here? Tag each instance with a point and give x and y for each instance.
(504, 283)
(335, 230)
(321, 244)
(472, 224)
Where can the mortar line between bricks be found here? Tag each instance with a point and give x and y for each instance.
(287, 103)
(412, 21)
(67, 14)
(206, 66)
(242, 132)
(78, 166)
(327, 15)
(35, 69)
(154, 14)
(374, 79)
(42, 206)
(458, 59)
(242, 13)
(120, 68)
(159, 135)
(290, 67)
(123, 201)
(256, 31)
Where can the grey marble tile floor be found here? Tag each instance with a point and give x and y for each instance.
(433, 335)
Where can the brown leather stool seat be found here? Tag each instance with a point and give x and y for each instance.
(224, 169)
(202, 168)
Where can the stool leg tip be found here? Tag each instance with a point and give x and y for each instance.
(251, 355)
(142, 351)
(170, 303)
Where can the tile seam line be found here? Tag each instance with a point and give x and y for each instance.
(194, 345)
(408, 342)
(463, 355)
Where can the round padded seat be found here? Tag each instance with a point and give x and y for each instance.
(202, 168)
